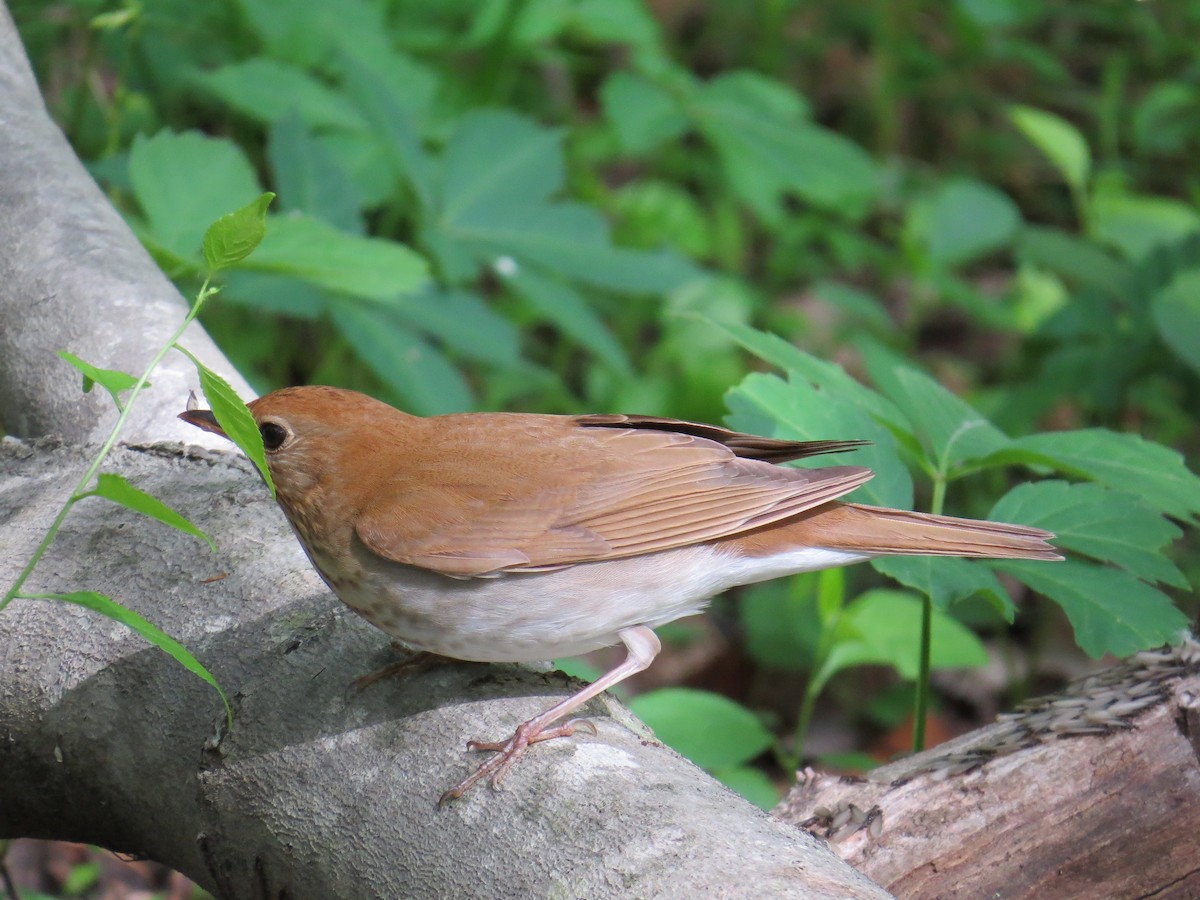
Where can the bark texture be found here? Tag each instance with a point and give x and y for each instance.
(1094, 792)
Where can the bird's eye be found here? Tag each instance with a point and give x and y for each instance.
(273, 435)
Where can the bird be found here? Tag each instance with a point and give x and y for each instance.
(518, 537)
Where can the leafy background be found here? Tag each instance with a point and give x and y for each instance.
(966, 231)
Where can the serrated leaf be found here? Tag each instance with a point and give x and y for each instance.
(1123, 461)
(391, 123)
(499, 171)
(463, 322)
(709, 729)
(310, 179)
(112, 380)
(183, 182)
(569, 311)
(233, 416)
(796, 410)
(496, 160)
(429, 383)
(1107, 525)
(108, 607)
(308, 249)
(571, 240)
(949, 428)
(947, 580)
(117, 489)
(235, 236)
(1110, 610)
(268, 90)
(766, 152)
(827, 376)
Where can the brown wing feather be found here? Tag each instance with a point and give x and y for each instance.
(749, 446)
(615, 492)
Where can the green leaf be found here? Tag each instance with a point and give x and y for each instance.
(268, 90)
(1059, 140)
(1075, 258)
(1136, 224)
(1110, 610)
(108, 607)
(499, 171)
(883, 627)
(1163, 121)
(796, 410)
(768, 150)
(391, 123)
(233, 416)
(1176, 310)
(627, 22)
(781, 622)
(1122, 461)
(428, 382)
(751, 783)
(463, 321)
(370, 268)
(951, 430)
(496, 161)
(947, 580)
(571, 240)
(642, 114)
(235, 236)
(117, 489)
(112, 380)
(183, 182)
(709, 729)
(1107, 525)
(826, 376)
(570, 312)
(961, 221)
(309, 179)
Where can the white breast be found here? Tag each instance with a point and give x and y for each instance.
(522, 617)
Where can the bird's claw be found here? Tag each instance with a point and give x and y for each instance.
(508, 752)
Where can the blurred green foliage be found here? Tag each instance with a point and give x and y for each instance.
(586, 204)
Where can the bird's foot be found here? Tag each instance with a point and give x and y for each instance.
(413, 664)
(508, 752)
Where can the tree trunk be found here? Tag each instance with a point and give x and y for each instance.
(1094, 792)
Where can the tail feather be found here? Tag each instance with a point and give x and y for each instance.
(899, 532)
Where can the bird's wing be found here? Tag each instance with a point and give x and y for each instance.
(482, 506)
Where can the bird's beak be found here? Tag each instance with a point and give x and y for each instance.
(202, 418)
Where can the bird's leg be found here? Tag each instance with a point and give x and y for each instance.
(414, 663)
(642, 645)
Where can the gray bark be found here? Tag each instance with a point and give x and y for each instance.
(311, 794)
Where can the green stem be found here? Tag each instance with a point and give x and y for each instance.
(804, 719)
(81, 489)
(921, 701)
